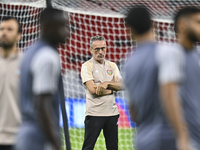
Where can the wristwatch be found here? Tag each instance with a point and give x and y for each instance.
(111, 91)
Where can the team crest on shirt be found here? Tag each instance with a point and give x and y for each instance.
(109, 72)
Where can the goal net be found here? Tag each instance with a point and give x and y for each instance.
(88, 18)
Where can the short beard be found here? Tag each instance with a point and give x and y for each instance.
(192, 36)
(7, 46)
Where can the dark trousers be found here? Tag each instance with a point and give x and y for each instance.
(93, 126)
(6, 147)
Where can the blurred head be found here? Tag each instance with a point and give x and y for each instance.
(98, 48)
(10, 32)
(54, 25)
(139, 20)
(187, 23)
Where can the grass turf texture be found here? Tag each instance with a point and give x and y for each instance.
(125, 137)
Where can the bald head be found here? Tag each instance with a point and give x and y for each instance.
(49, 15)
(54, 25)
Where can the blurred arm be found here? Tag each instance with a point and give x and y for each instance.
(46, 118)
(173, 111)
(132, 113)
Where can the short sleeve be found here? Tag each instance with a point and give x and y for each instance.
(116, 72)
(86, 72)
(45, 68)
(170, 60)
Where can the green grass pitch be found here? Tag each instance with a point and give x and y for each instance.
(125, 137)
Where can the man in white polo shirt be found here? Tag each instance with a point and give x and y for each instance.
(10, 118)
(101, 79)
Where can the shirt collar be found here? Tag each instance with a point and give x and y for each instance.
(98, 62)
(143, 43)
(11, 55)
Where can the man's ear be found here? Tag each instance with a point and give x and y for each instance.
(91, 51)
(181, 24)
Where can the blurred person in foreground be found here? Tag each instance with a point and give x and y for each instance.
(10, 57)
(153, 75)
(101, 79)
(187, 27)
(40, 75)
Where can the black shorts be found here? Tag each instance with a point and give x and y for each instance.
(6, 147)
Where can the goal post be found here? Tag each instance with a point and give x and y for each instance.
(89, 18)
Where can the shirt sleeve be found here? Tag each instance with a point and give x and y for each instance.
(116, 72)
(86, 72)
(170, 60)
(46, 71)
